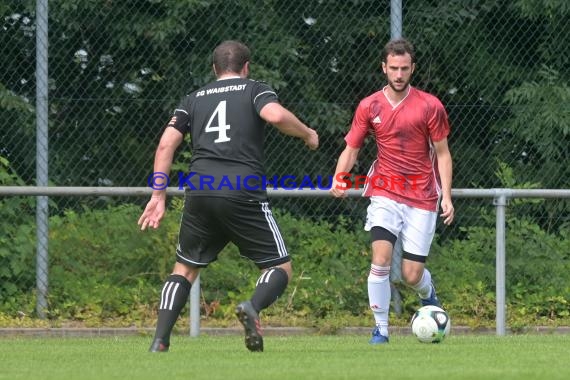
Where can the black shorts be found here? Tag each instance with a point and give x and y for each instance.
(209, 223)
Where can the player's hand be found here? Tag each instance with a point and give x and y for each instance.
(448, 211)
(153, 213)
(338, 189)
(312, 140)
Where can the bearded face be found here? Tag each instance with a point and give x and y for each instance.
(398, 70)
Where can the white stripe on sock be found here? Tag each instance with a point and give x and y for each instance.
(173, 295)
(264, 278)
(165, 294)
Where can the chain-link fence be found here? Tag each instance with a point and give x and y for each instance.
(118, 68)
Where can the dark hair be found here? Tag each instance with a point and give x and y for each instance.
(399, 46)
(230, 56)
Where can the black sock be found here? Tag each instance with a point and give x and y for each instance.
(173, 297)
(269, 287)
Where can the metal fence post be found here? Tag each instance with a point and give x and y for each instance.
(195, 308)
(395, 19)
(42, 216)
(500, 203)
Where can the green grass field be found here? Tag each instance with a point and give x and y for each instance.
(296, 357)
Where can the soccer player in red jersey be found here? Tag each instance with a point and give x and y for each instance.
(407, 183)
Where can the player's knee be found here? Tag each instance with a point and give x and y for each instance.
(411, 277)
(187, 271)
(287, 269)
(412, 268)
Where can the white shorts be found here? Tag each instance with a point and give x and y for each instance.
(414, 227)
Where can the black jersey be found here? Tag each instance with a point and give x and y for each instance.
(227, 136)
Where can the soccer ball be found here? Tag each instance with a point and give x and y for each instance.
(430, 324)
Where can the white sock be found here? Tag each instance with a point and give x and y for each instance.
(423, 287)
(379, 295)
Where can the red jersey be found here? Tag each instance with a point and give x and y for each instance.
(405, 169)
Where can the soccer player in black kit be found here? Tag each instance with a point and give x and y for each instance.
(225, 200)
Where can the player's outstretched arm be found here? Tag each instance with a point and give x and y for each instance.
(155, 208)
(289, 124)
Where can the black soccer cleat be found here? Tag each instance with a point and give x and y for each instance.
(250, 321)
(158, 346)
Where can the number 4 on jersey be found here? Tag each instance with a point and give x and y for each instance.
(221, 126)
